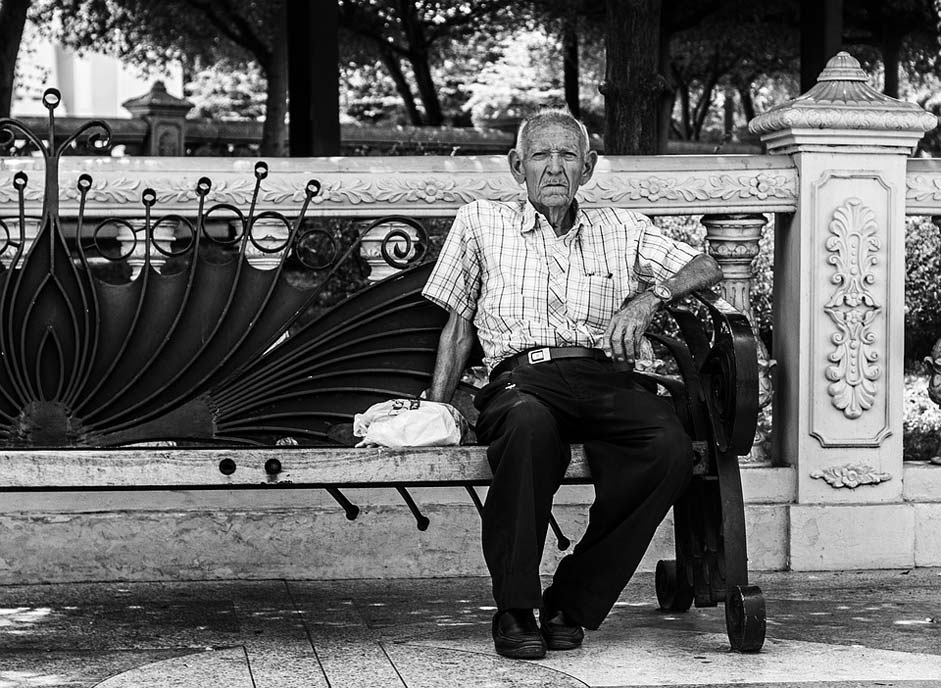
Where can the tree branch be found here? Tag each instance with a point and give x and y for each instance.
(364, 25)
(248, 41)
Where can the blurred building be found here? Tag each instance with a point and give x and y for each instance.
(92, 84)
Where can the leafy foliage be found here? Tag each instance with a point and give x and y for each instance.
(411, 33)
(921, 425)
(922, 287)
(226, 91)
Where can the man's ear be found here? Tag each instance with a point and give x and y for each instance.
(591, 159)
(516, 166)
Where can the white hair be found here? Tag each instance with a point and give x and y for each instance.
(551, 116)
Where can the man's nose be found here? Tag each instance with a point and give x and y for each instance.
(555, 162)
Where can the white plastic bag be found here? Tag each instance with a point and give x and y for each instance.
(409, 423)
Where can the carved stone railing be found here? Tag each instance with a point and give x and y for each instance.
(412, 186)
(838, 177)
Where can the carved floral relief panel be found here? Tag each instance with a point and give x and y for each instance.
(853, 248)
(850, 310)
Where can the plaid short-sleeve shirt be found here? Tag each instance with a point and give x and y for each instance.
(503, 268)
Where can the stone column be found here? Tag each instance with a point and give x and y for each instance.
(371, 248)
(166, 116)
(733, 242)
(839, 318)
(268, 240)
(133, 241)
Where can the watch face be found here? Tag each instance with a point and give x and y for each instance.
(661, 291)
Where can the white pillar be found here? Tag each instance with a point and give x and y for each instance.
(838, 328)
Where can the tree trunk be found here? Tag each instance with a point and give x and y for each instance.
(12, 21)
(570, 67)
(426, 88)
(682, 89)
(668, 98)
(391, 62)
(274, 130)
(705, 101)
(418, 57)
(890, 48)
(748, 103)
(633, 86)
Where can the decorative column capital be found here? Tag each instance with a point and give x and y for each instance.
(842, 110)
(733, 242)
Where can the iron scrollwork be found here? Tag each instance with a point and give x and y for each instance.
(214, 352)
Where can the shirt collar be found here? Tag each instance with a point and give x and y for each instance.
(529, 216)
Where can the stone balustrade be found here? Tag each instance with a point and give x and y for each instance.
(838, 181)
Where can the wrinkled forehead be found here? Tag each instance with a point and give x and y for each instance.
(551, 136)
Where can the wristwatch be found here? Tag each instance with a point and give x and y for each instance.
(662, 292)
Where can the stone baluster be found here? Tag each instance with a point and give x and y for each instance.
(133, 241)
(269, 237)
(30, 230)
(733, 242)
(371, 248)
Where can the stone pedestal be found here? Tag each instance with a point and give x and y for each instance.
(838, 307)
(166, 116)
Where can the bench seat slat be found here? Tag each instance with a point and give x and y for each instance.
(150, 468)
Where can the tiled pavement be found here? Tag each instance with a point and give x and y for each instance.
(837, 630)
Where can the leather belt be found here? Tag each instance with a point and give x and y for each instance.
(546, 353)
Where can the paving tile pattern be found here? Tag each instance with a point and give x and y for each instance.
(833, 630)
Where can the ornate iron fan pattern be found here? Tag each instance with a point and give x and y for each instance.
(212, 353)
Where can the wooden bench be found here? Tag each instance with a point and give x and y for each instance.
(193, 362)
(381, 344)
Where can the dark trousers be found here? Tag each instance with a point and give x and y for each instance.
(640, 459)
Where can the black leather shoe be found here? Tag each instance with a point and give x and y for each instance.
(560, 631)
(516, 635)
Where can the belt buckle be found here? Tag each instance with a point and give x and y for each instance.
(539, 355)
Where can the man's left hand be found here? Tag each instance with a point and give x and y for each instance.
(627, 327)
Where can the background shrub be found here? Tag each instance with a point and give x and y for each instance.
(922, 287)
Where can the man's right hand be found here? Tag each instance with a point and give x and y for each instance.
(623, 336)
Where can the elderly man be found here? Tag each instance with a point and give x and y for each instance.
(560, 297)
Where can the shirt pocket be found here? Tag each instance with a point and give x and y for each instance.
(592, 299)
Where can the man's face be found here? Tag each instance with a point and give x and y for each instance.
(552, 165)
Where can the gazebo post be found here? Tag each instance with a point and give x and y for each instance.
(313, 78)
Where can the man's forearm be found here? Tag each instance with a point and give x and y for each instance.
(454, 347)
(622, 338)
(701, 272)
